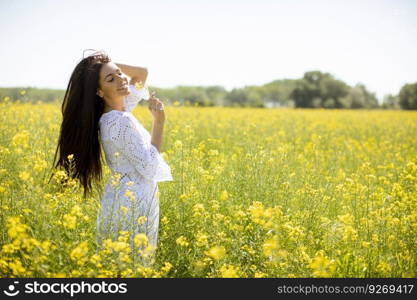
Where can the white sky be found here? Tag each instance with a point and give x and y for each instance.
(217, 42)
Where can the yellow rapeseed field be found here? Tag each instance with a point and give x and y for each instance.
(256, 193)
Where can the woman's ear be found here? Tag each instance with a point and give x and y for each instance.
(99, 93)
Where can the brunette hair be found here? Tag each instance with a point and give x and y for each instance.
(79, 133)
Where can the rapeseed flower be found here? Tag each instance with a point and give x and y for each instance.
(216, 252)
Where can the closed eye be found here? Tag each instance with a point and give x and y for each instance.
(113, 78)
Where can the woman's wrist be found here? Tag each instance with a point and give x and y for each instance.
(138, 73)
(159, 121)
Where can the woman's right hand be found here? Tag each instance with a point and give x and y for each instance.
(155, 106)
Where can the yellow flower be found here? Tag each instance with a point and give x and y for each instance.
(116, 178)
(257, 211)
(70, 157)
(322, 266)
(16, 267)
(21, 139)
(182, 241)
(60, 176)
(165, 220)
(384, 268)
(260, 275)
(216, 252)
(78, 254)
(10, 248)
(198, 209)
(46, 246)
(202, 239)
(346, 219)
(224, 195)
(24, 175)
(124, 209)
(141, 239)
(177, 144)
(16, 230)
(69, 221)
(120, 246)
(229, 271)
(29, 243)
(40, 165)
(213, 152)
(76, 210)
(139, 85)
(248, 249)
(129, 194)
(166, 268)
(142, 220)
(123, 236)
(269, 246)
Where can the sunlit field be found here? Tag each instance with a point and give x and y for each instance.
(256, 193)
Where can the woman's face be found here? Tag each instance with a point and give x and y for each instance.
(112, 85)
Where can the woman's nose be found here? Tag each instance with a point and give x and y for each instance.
(122, 77)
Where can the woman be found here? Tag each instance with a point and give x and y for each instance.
(96, 110)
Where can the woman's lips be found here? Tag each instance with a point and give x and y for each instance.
(123, 87)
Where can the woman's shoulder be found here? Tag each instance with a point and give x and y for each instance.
(113, 114)
(116, 118)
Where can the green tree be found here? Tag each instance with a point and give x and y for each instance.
(360, 97)
(216, 94)
(317, 89)
(391, 102)
(237, 97)
(279, 92)
(408, 96)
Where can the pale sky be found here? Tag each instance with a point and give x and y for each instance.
(217, 42)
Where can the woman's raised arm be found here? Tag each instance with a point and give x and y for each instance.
(136, 74)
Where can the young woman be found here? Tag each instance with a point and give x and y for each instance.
(96, 112)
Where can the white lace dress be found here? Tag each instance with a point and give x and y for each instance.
(129, 152)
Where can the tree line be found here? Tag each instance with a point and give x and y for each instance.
(315, 90)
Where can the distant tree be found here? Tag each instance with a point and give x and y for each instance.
(317, 102)
(237, 97)
(333, 91)
(360, 97)
(216, 94)
(279, 92)
(193, 95)
(317, 88)
(304, 93)
(408, 96)
(329, 103)
(255, 96)
(31, 95)
(391, 102)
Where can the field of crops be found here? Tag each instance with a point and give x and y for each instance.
(256, 193)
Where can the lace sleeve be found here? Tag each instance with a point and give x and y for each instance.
(144, 156)
(135, 96)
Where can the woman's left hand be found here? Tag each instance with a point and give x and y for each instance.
(156, 107)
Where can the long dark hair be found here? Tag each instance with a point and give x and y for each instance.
(79, 134)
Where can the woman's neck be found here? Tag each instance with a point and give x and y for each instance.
(110, 108)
